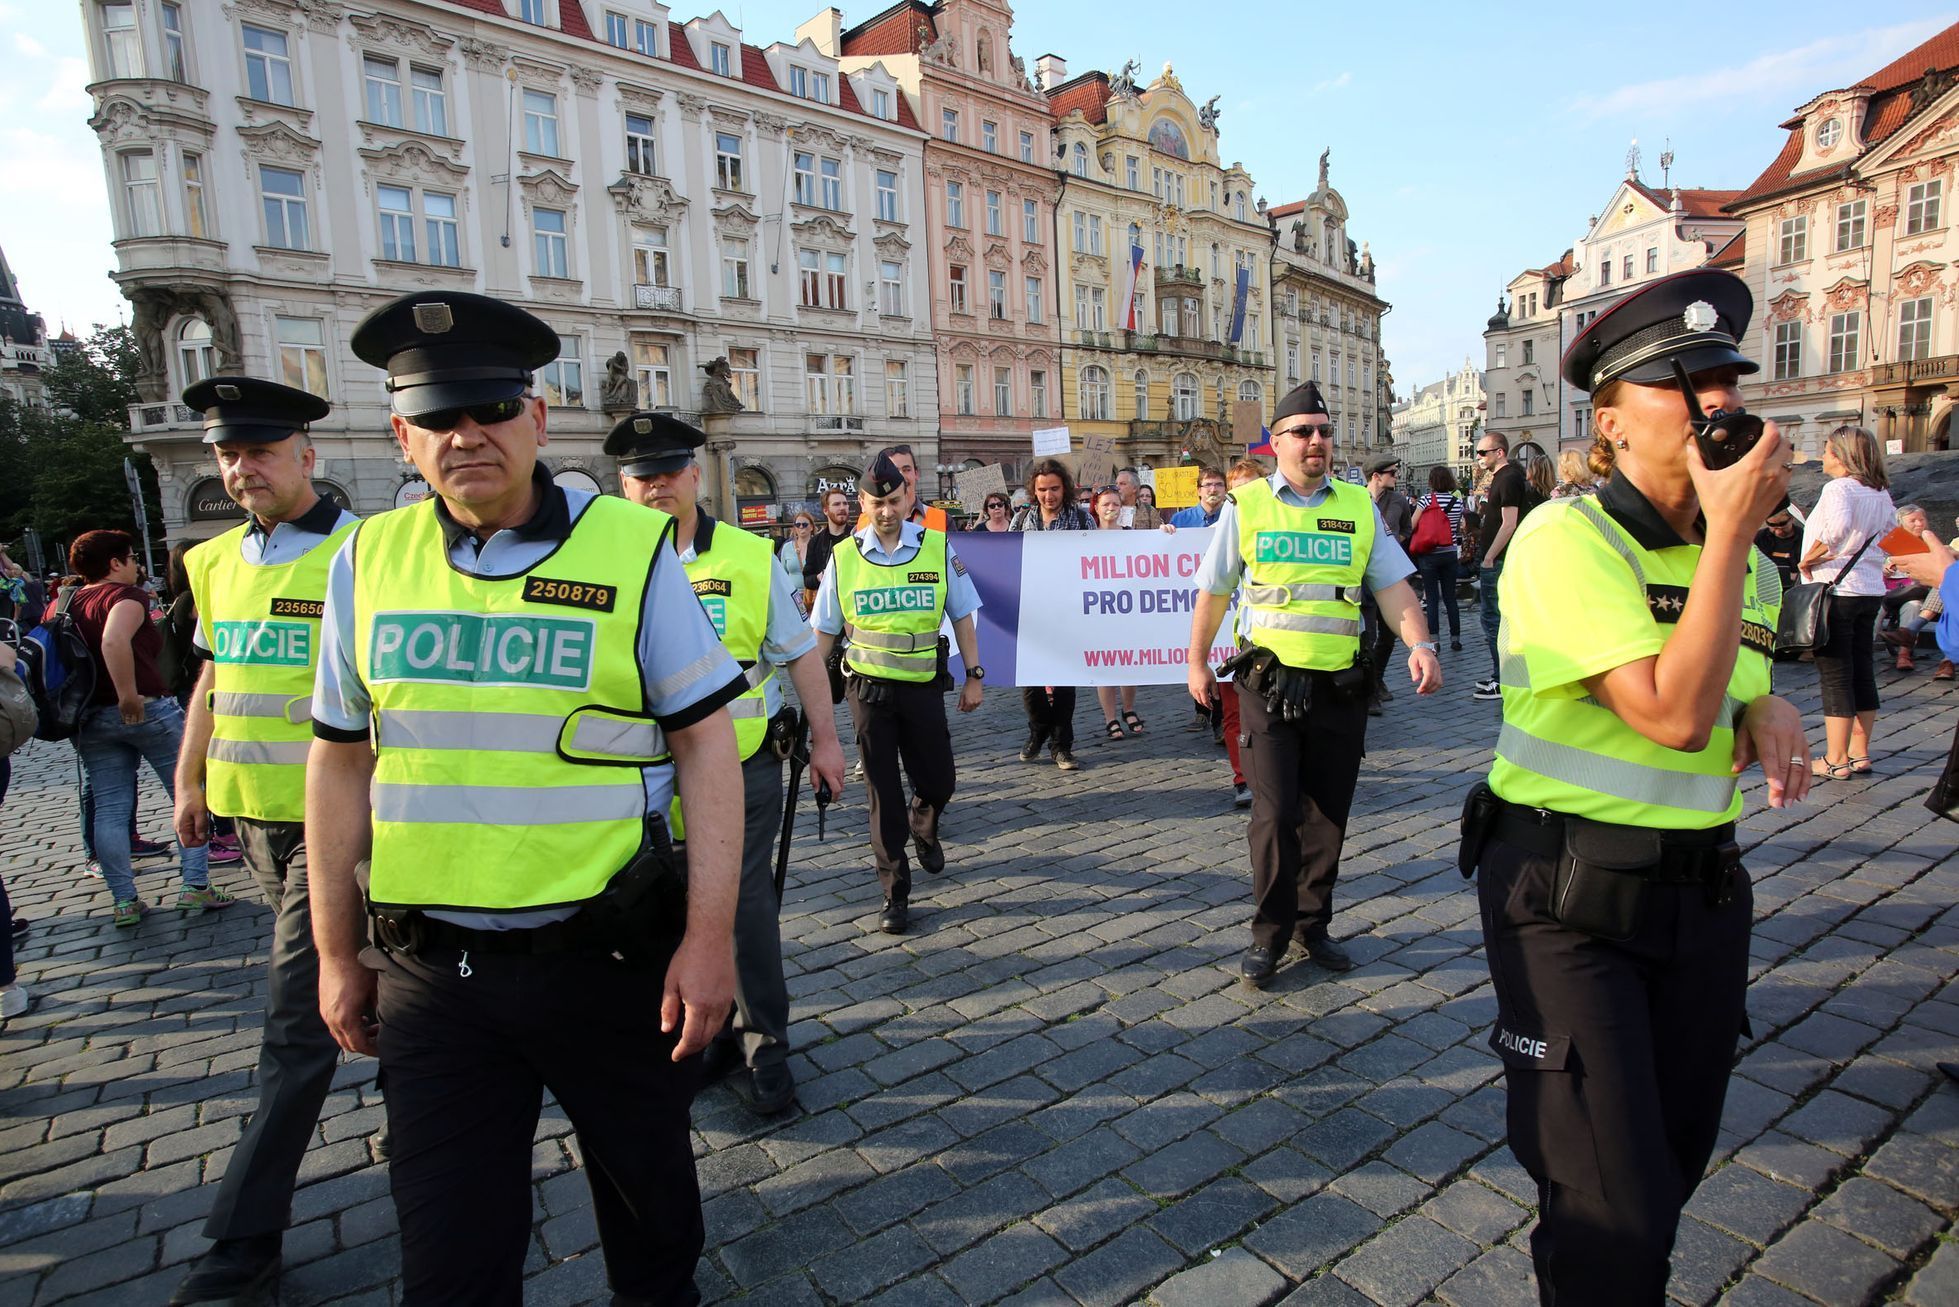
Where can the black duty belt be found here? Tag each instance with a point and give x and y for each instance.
(413, 932)
(1687, 857)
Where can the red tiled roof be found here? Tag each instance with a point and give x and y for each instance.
(1287, 210)
(895, 31)
(1889, 108)
(1732, 255)
(1089, 93)
(755, 68)
(680, 48)
(1695, 203)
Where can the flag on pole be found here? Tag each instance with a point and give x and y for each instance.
(1238, 301)
(1264, 445)
(1130, 282)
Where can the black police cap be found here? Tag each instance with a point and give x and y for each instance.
(1696, 317)
(450, 349)
(1302, 401)
(647, 444)
(883, 477)
(251, 410)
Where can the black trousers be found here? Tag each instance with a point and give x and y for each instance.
(761, 1017)
(1050, 715)
(297, 1055)
(1616, 1058)
(907, 727)
(1302, 776)
(468, 1058)
(1379, 637)
(1845, 667)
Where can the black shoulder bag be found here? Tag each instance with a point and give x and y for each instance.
(1804, 623)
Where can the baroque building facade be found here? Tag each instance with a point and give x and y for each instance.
(1438, 423)
(1523, 346)
(1326, 320)
(664, 193)
(1851, 254)
(24, 350)
(1154, 238)
(989, 191)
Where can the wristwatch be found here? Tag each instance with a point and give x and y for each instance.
(976, 673)
(1429, 645)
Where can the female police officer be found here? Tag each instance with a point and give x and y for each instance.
(1635, 672)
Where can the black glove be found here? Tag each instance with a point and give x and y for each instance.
(1296, 695)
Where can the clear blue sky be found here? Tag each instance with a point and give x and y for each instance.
(1470, 141)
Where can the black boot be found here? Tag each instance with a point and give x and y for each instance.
(230, 1268)
(1031, 751)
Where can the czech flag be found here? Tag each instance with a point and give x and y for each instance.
(1264, 445)
(1130, 281)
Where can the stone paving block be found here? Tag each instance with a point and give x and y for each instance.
(1259, 1125)
(1092, 1216)
(1704, 1259)
(1433, 1151)
(1327, 1290)
(1880, 1215)
(812, 1181)
(1312, 1233)
(1826, 1264)
(1120, 1270)
(1081, 1161)
(895, 1196)
(1792, 1161)
(999, 1265)
(1184, 1165)
(781, 1247)
(1937, 1282)
(1747, 1203)
(1380, 1188)
(1407, 1261)
(970, 1216)
(1212, 1216)
(1474, 1212)
(1234, 1276)
(1168, 1118)
(1838, 1122)
(1499, 1276)
(1342, 1139)
(972, 1160)
(861, 1268)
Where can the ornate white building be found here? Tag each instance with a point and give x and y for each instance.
(1438, 423)
(661, 192)
(1523, 346)
(1850, 250)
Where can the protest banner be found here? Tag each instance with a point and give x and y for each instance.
(1088, 607)
(974, 484)
(1176, 487)
(1050, 442)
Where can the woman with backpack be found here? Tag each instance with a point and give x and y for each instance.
(131, 719)
(1436, 547)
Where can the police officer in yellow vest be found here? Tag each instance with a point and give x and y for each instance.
(513, 678)
(1634, 647)
(1303, 543)
(755, 609)
(259, 589)
(889, 588)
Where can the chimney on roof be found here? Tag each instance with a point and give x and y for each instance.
(1051, 70)
(825, 32)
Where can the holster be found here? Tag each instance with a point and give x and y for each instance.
(871, 691)
(781, 739)
(943, 681)
(834, 666)
(642, 911)
(1599, 886)
(1355, 682)
(1479, 812)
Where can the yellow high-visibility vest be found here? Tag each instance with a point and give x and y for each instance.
(1303, 572)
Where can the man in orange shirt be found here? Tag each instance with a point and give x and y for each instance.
(932, 519)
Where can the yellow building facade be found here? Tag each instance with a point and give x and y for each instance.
(1157, 367)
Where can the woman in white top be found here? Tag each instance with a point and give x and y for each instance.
(796, 549)
(1854, 510)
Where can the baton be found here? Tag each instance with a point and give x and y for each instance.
(798, 760)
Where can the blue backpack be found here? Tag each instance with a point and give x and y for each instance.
(59, 672)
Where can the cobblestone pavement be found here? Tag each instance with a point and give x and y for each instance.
(1054, 1090)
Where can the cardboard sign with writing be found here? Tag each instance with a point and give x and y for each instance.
(1247, 425)
(1176, 487)
(974, 484)
(1051, 441)
(1096, 464)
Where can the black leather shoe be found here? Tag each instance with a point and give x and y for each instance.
(230, 1268)
(931, 857)
(384, 1143)
(895, 917)
(1065, 760)
(773, 1088)
(1031, 751)
(719, 1060)
(1384, 694)
(1260, 964)
(1374, 708)
(1325, 952)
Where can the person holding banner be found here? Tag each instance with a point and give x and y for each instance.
(1109, 510)
(889, 588)
(753, 606)
(1303, 543)
(1050, 709)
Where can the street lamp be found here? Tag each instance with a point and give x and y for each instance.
(945, 471)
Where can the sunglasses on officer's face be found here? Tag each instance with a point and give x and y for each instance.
(483, 415)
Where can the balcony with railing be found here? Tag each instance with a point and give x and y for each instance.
(163, 419)
(1917, 372)
(657, 299)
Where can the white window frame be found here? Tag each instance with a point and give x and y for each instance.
(1852, 228)
(176, 65)
(996, 294)
(443, 230)
(122, 42)
(891, 288)
(949, 124)
(830, 386)
(540, 109)
(562, 381)
(964, 401)
(996, 223)
(1915, 329)
(271, 69)
(381, 90)
(286, 204)
(802, 169)
(1924, 206)
(989, 136)
(880, 103)
(395, 219)
(646, 38)
(1093, 393)
(551, 249)
(1846, 340)
(535, 12)
(1037, 392)
(745, 375)
(300, 363)
(1035, 291)
(1027, 147)
(1788, 351)
(728, 162)
(142, 186)
(1792, 240)
(1185, 397)
(431, 100)
(652, 257)
(720, 59)
(642, 147)
(958, 299)
(735, 281)
(615, 30)
(897, 389)
(197, 353)
(830, 178)
(653, 373)
(1030, 222)
(1003, 392)
(887, 196)
(197, 208)
(955, 204)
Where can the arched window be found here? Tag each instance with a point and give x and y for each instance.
(197, 357)
(1142, 395)
(1183, 396)
(753, 483)
(1250, 390)
(1095, 393)
(1081, 159)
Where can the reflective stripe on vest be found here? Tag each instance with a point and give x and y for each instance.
(262, 625)
(510, 719)
(1569, 753)
(893, 611)
(733, 581)
(1303, 572)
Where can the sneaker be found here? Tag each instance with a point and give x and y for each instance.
(1487, 690)
(15, 1000)
(1241, 795)
(1456, 645)
(223, 852)
(140, 848)
(130, 911)
(92, 868)
(208, 899)
(1065, 760)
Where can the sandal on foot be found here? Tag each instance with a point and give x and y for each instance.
(1860, 766)
(1829, 771)
(1115, 729)
(1133, 722)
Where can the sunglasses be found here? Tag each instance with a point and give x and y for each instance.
(996, 503)
(802, 526)
(483, 415)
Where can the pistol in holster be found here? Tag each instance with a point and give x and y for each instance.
(642, 911)
(1479, 813)
(943, 681)
(834, 666)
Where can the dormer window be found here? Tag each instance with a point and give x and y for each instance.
(881, 104)
(808, 85)
(1829, 133)
(535, 12)
(721, 59)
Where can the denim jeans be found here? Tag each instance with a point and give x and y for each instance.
(1486, 604)
(111, 753)
(1438, 578)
